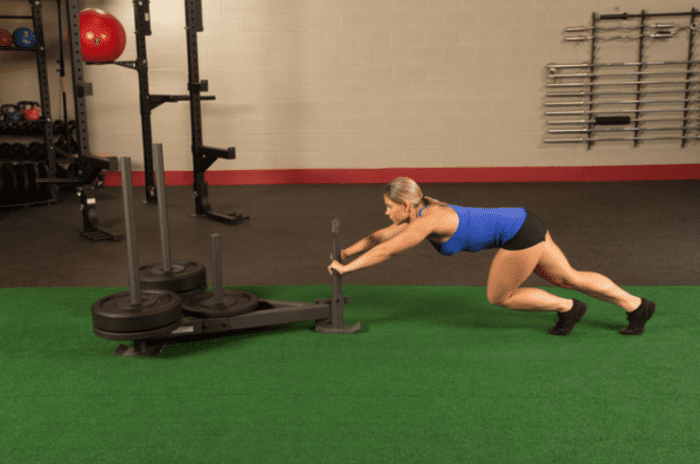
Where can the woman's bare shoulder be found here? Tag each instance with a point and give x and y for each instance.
(443, 218)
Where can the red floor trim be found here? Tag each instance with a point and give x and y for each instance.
(428, 175)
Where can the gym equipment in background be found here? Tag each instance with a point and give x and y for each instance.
(20, 183)
(24, 37)
(11, 113)
(88, 167)
(151, 318)
(5, 38)
(72, 148)
(35, 120)
(102, 36)
(203, 156)
(650, 85)
(30, 110)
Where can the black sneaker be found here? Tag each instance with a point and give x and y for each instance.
(639, 317)
(567, 320)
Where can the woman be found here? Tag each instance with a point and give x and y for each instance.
(525, 247)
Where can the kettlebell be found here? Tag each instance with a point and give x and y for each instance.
(11, 113)
(30, 110)
(24, 37)
(5, 38)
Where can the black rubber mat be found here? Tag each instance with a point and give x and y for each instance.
(636, 233)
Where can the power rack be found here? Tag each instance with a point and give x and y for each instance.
(202, 156)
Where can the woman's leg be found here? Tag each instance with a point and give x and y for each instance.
(554, 267)
(508, 272)
(511, 268)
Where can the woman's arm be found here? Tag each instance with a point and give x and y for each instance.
(408, 236)
(372, 240)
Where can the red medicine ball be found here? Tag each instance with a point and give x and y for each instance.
(102, 36)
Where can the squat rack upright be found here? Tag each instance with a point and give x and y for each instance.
(89, 165)
(202, 156)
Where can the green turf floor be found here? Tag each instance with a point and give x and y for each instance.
(436, 375)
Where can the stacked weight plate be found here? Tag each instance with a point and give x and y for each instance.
(18, 183)
(186, 278)
(137, 314)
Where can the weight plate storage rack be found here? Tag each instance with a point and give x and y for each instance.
(85, 168)
(21, 173)
(636, 101)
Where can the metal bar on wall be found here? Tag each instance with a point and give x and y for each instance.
(647, 15)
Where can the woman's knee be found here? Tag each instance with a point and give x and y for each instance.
(555, 268)
(497, 298)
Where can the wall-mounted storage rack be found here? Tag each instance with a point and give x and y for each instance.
(636, 101)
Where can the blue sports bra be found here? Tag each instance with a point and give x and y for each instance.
(481, 229)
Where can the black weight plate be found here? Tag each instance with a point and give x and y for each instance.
(34, 151)
(235, 302)
(31, 180)
(183, 277)
(33, 172)
(5, 192)
(114, 313)
(149, 334)
(5, 150)
(22, 183)
(10, 190)
(59, 126)
(184, 296)
(19, 151)
(43, 174)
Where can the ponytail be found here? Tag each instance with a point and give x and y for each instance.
(433, 201)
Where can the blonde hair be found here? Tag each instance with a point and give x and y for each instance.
(406, 189)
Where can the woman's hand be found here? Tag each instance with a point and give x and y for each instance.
(335, 265)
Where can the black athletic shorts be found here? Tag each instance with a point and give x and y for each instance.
(532, 232)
